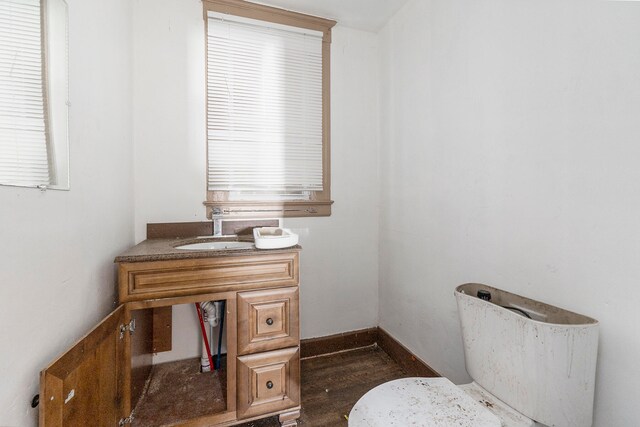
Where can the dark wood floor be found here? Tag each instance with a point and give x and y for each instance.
(332, 384)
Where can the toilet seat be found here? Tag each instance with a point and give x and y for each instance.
(432, 402)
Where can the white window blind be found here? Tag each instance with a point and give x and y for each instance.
(264, 96)
(23, 143)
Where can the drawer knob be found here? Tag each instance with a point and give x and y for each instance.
(269, 321)
(269, 385)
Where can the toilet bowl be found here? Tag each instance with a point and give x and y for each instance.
(533, 364)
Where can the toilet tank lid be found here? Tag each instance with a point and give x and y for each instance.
(409, 400)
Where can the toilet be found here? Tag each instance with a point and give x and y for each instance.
(532, 364)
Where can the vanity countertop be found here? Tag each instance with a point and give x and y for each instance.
(165, 249)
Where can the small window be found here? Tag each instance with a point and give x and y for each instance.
(267, 111)
(33, 94)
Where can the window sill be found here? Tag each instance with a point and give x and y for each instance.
(273, 209)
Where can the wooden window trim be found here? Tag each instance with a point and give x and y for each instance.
(320, 201)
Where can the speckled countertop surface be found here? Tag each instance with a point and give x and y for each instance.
(165, 249)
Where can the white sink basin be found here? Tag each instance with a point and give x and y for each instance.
(216, 246)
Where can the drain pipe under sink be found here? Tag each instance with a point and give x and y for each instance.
(211, 311)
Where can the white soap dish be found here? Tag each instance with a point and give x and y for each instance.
(274, 237)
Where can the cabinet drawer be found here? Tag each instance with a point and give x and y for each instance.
(268, 320)
(268, 382)
(161, 279)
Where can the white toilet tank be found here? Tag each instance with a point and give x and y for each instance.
(543, 367)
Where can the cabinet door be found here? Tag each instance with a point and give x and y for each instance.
(84, 387)
(268, 382)
(268, 320)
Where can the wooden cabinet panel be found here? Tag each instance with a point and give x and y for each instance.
(161, 279)
(268, 320)
(162, 328)
(268, 382)
(141, 352)
(85, 386)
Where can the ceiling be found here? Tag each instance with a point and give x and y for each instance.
(367, 15)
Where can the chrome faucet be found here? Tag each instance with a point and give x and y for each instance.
(216, 216)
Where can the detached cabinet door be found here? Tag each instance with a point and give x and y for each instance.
(84, 386)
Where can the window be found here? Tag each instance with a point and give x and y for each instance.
(33, 93)
(267, 111)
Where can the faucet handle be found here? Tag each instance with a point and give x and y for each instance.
(216, 217)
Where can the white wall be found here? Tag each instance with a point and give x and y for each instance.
(339, 260)
(510, 157)
(57, 277)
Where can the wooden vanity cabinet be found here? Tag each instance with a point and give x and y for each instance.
(100, 379)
